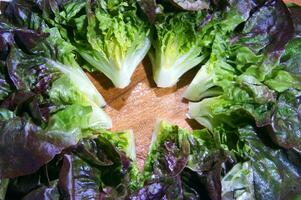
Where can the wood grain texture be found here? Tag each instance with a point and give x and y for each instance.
(139, 105)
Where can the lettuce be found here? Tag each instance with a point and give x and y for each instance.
(241, 78)
(48, 103)
(248, 93)
(53, 141)
(177, 47)
(182, 165)
(93, 168)
(216, 69)
(108, 35)
(269, 172)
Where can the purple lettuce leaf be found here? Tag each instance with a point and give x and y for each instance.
(165, 188)
(182, 165)
(23, 70)
(151, 191)
(22, 14)
(5, 88)
(24, 185)
(28, 39)
(92, 169)
(149, 8)
(291, 58)
(244, 8)
(28, 103)
(152, 8)
(285, 128)
(276, 172)
(6, 40)
(206, 160)
(270, 27)
(24, 147)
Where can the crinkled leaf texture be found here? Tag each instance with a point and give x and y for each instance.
(255, 51)
(295, 11)
(108, 35)
(217, 68)
(241, 79)
(285, 127)
(92, 169)
(291, 58)
(31, 34)
(153, 8)
(46, 106)
(178, 46)
(270, 26)
(181, 165)
(270, 173)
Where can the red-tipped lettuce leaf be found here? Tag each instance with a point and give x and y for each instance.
(270, 27)
(182, 165)
(285, 129)
(24, 147)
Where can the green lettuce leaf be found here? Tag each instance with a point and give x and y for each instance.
(238, 182)
(109, 36)
(178, 46)
(3, 188)
(50, 105)
(291, 59)
(182, 165)
(270, 173)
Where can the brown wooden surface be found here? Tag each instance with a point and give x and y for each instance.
(294, 1)
(139, 105)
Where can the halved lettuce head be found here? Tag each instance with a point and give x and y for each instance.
(108, 35)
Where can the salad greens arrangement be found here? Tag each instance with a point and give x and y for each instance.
(257, 81)
(108, 35)
(47, 101)
(247, 95)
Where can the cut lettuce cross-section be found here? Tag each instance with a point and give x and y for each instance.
(50, 82)
(108, 35)
(81, 83)
(215, 71)
(116, 39)
(177, 47)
